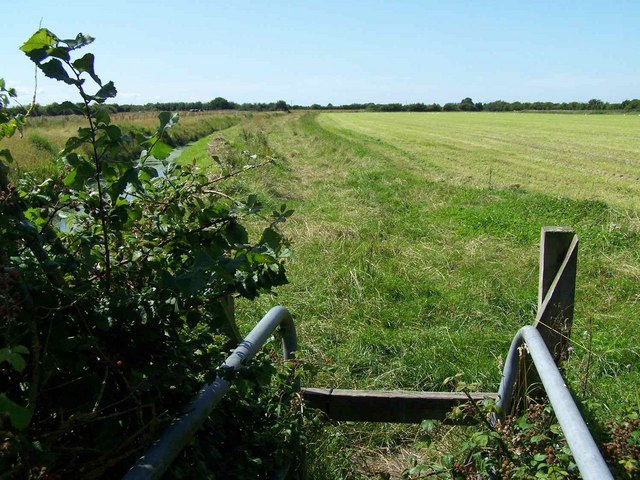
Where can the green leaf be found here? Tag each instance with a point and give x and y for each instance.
(6, 154)
(79, 175)
(102, 116)
(54, 69)
(36, 48)
(160, 150)
(272, 238)
(429, 425)
(85, 64)
(108, 90)
(74, 142)
(114, 132)
(481, 439)
(19, 416)
(167, 120)
(147, 173)
(448, 461)
(80, 41)
(13, 356)
(59, 52)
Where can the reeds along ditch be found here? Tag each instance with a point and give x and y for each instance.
(35, 152)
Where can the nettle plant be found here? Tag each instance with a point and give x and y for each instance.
(114, 283)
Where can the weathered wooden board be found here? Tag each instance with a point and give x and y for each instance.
(387, 406)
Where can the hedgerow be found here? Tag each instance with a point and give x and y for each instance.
(115, 280)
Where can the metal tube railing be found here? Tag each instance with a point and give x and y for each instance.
(583, 448)
(157, 459)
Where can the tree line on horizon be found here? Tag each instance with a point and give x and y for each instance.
(465, 105)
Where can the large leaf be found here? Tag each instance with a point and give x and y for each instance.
(108, 90)
(85, 64)
(37, 47)
(81, 172)
(59, 52)
(19, 416)
(102, 116)
(6, 154)
(160, 150)
(167, 120)
(54, 69)
(13, 356)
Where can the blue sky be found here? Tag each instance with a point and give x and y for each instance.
(340, 51)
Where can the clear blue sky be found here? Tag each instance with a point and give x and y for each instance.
(340, 51)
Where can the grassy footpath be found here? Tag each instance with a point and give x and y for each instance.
(403, 277)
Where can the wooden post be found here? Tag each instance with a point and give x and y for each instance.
(556, 293)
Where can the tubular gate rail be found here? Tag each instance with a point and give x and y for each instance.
(546, 344)
(157, 459)
(584, 450)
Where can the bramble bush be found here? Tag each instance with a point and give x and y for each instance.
(115, 279)
(527, 446)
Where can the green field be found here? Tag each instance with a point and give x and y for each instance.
(581, 156)
(414, 263)
(416, 244)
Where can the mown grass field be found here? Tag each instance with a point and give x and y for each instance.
(412, 264)
(578, 156)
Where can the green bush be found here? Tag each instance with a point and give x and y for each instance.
(114, 276)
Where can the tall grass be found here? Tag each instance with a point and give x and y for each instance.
(45, 136)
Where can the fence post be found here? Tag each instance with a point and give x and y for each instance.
(557, 287)
(556, 293)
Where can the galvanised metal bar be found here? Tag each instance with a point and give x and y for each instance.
(585, 451)
(157, 459)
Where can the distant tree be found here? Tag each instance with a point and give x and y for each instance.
(416, 107)
(282, 105)
(596, 104)
(391, 107)
(467, 105)
(220, 103)
(451, 107)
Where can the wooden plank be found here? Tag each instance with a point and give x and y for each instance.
(387, 406)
